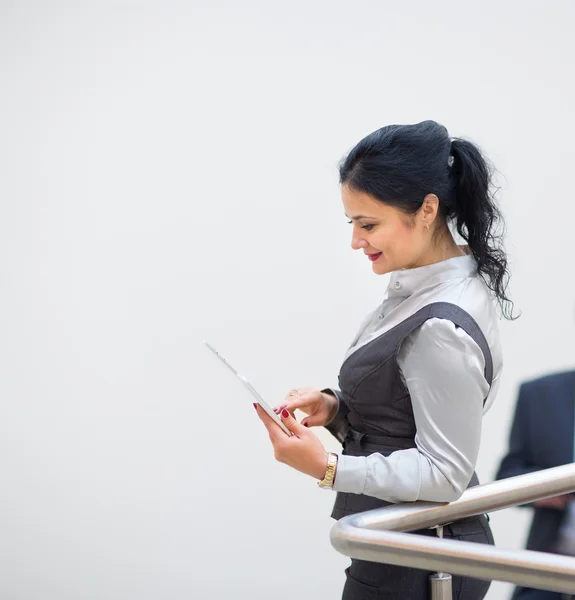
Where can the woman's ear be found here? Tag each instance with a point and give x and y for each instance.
(429, 209)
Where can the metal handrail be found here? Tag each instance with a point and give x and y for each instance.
(380, 535)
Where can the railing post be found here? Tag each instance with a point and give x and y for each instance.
(440, 586)
(440, 583)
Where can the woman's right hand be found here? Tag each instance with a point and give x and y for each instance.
(319, 406)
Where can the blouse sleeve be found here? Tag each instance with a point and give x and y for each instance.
(443, 369)
(338, 425)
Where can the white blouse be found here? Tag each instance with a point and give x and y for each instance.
(443, 369)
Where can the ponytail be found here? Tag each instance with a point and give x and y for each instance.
(477, 218)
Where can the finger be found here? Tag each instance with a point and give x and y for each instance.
(290, 422)
(313, 421)
(300, 402)
(293, 394)
(273, 428)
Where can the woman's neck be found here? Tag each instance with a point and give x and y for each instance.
(445, 249)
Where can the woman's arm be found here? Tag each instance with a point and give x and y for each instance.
(443, 369)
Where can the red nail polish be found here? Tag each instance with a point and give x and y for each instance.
(285, 413)
(305, 425)
(255, 406)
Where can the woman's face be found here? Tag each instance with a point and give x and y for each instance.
(390, 238)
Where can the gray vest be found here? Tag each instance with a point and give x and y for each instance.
(379, 414)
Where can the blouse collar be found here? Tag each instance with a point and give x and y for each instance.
(406, 282)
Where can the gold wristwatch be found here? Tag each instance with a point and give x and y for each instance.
(330, 470)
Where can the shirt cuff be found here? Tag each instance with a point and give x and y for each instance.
(351, 474)
(339, 425)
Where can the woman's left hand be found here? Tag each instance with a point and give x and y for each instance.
(302, 451)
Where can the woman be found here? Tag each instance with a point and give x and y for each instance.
(425, 364)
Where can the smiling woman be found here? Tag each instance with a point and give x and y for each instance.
(426, 364)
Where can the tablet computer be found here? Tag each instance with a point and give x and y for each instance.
(252, 390)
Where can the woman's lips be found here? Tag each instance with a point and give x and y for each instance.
(374, 257)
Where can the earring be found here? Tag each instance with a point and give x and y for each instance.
(427, 226)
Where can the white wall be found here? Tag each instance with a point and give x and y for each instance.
(169, 174)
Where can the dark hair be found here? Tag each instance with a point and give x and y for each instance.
(401, 164)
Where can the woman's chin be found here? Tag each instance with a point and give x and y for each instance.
(380, 268)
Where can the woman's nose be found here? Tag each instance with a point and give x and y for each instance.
(357, 242)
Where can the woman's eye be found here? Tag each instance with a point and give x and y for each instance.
(368, 227)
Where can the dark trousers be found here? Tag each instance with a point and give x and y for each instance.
(376, 581)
